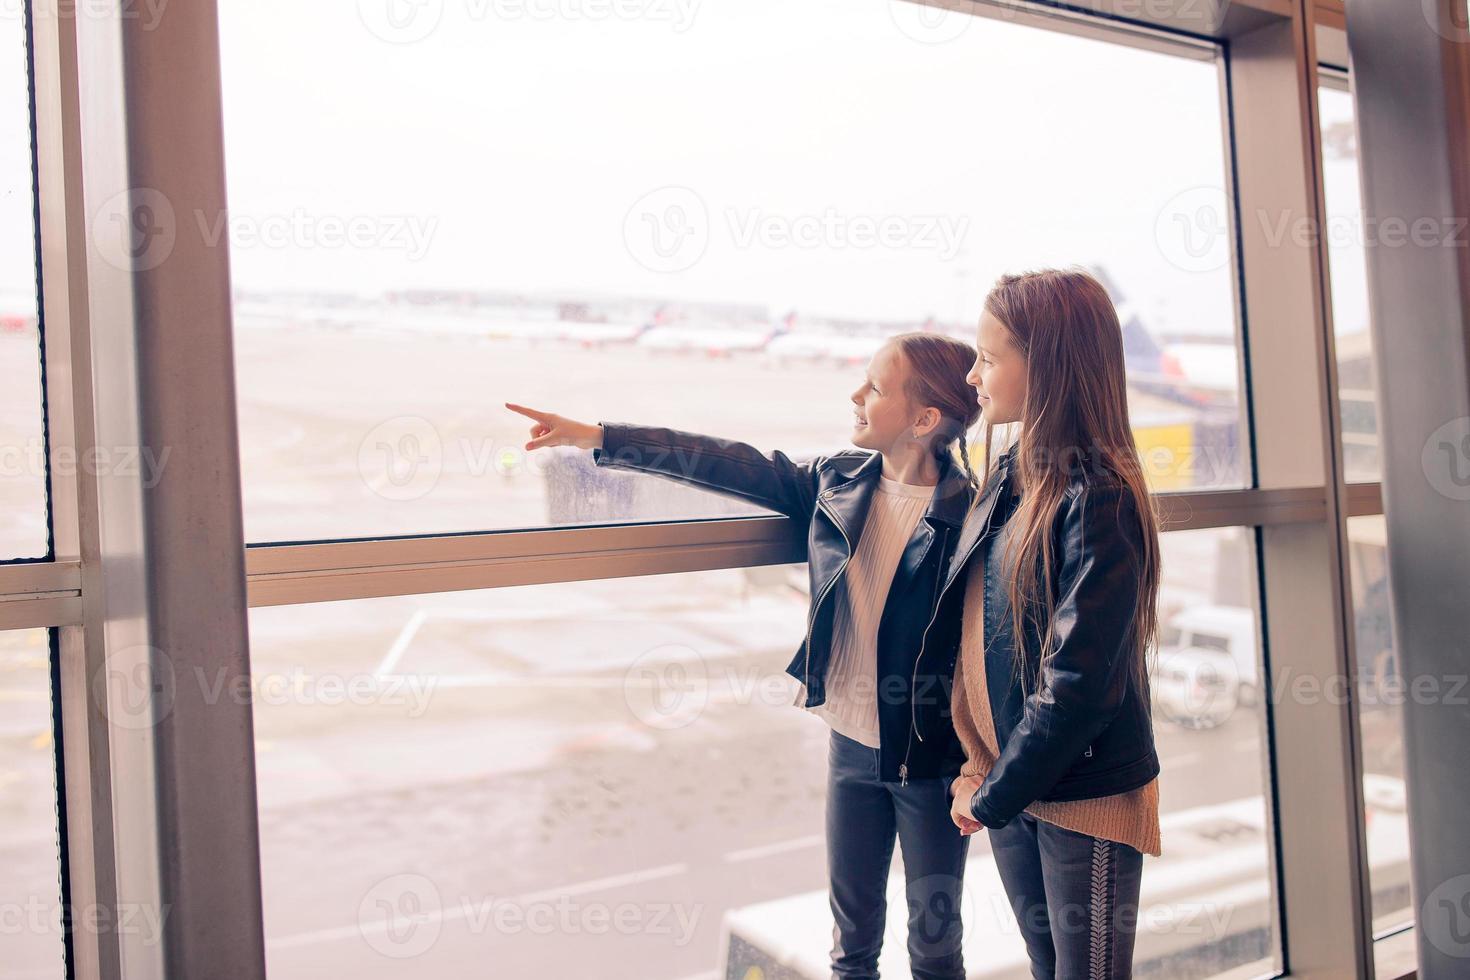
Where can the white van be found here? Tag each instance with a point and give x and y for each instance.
(1208, 665)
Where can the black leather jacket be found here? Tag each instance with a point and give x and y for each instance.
(1087, 731)
(827, 499)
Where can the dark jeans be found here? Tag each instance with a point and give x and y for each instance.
(863, 816)
(1075, 897)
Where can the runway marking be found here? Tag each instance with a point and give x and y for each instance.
(780, 847)
(410, 630)
(463, 908)
(400, 644)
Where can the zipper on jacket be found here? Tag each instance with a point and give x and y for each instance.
(903, 769)
(817, 605)
(939, 596)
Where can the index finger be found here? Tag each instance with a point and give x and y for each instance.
(530, 413)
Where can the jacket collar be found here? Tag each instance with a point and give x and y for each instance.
(948, 505)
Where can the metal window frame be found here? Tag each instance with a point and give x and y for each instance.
(1298, 502)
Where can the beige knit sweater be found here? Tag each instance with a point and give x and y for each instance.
(1130, 818)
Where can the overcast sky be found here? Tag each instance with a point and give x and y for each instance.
(515, 145)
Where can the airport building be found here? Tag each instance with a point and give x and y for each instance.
(310, 668)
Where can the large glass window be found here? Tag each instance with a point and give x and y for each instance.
(1382, 692)
(22, 452)
(698, 215)
(1347, 237)
(608, 778)
(30, 887)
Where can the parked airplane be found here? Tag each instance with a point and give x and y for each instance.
(714, 341)
(1197, 373)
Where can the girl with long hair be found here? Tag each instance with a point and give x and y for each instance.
(881, 522)
(1060, 565)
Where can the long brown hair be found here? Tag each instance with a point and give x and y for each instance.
(1075, 413)
(938, 364)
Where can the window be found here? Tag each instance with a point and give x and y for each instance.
(501, 771)
(706, 222)
(1382, 690)
(23, 460)
(1348, 268)
(30, 895)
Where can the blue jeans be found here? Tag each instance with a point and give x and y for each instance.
(863, 816)
(1075, 897)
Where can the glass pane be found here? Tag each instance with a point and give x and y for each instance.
(23, 463)
(504, 776)
(1381, 693)
(707, 222)
(30, 887)
(1348, 268)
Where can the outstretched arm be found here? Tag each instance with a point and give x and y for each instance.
(737, 469)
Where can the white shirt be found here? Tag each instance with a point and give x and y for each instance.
(851, 707)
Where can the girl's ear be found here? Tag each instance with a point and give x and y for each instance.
(928, 420)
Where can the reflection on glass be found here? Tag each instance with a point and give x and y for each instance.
(30, 886)
(494, 780)
(1347, 264)
(1381, 693)
(706, 221)
(22, 462)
